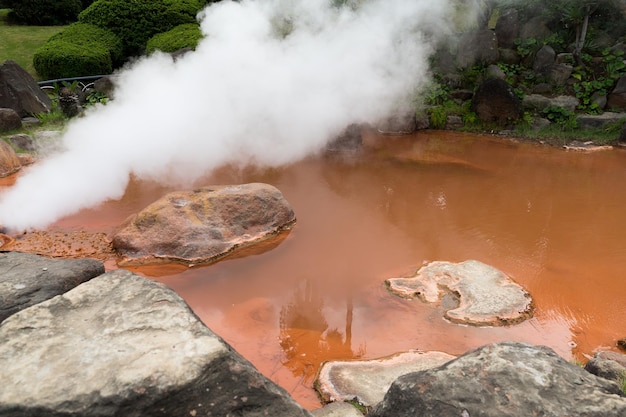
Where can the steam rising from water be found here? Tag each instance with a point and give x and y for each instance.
(273, 81)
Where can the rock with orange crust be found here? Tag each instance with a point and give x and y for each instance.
(203, 225)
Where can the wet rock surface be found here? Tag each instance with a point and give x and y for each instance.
(123, 345)
(501, 380)
(203, 225)
(486, 295)
(367, 381)
(76, 244)
(27, 279)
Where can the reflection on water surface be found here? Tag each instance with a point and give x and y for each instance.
(551, 219)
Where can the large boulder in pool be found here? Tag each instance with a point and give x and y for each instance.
(123, 345)
(203, 225)
(485, 295)
(27, 279)
(503, 380)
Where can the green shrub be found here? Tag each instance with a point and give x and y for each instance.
(182, 36)
(438, 117)
(60, 59)
(44, 12)
(136, 21)
(564, 118)
(86, 35)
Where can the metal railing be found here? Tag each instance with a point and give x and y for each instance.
(83, 82)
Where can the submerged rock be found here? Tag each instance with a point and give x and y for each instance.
(123, 345)
(27, 279)
(203, 225)
(487, 296)
(367, 381)
(502, 380)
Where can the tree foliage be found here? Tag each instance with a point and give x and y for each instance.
(136, 21)
(44, 12)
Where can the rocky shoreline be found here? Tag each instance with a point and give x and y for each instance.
(87, 343)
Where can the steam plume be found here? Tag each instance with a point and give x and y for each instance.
(272, 82)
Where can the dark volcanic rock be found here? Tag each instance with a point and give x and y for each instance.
(508, 28)
(495, 101)
(9, 120)
(479, 47)
(27, 279)
(123, 345)
(501, 380)
(609, 365)
(203, 225)
(19, 91)
(617, 99)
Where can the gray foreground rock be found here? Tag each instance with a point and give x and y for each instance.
(123, 345)
(502, 380)
(203, 225)
(609, 365)
(486, 295)
(367, 381)
(337, 410)
(27, 279)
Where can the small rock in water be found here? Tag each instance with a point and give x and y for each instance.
(487, 296)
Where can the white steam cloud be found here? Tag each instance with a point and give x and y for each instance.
(272, 82)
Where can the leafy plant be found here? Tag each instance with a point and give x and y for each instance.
(527, 47)
(438, 117)
(585, 91)
(95, 97)
(470, 118)
(562, 117)
(437, 94)
(614, 63)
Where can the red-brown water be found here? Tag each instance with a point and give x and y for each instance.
(553, 220)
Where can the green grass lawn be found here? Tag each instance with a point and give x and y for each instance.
(19, 43)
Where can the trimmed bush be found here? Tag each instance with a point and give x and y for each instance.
(182, 36)
(58, 59)
(44, 12)
(79, 50)
(136, 21)
(86, 35)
